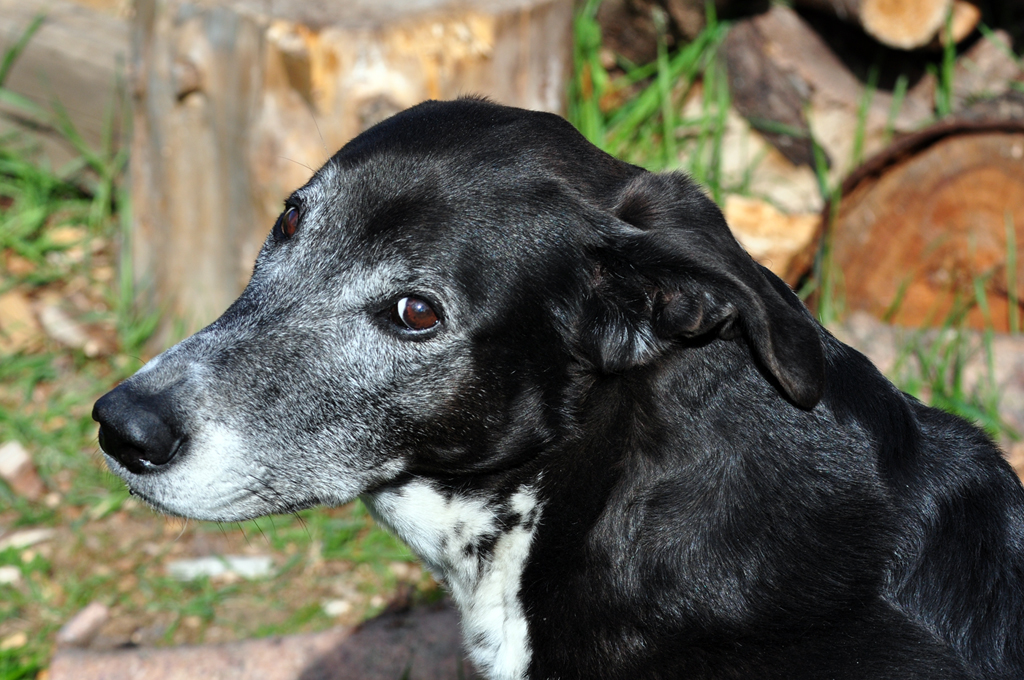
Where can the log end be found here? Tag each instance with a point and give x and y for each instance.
(935, 238)
(784, 243)
(904, 24)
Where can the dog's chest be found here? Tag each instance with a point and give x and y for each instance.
(478, 546)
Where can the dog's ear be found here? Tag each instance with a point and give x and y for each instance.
(670, 269)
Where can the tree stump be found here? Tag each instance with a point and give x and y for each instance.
(785, 244)
(78, 58)
(940, 213)
(236, 103)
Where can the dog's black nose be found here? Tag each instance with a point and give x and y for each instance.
(133, 431)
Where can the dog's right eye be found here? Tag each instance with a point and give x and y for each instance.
(414, 313)
(287, 223)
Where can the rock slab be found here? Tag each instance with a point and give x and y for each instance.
(419, 644)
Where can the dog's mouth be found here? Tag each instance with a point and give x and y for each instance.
(155, 504)
(185, 487)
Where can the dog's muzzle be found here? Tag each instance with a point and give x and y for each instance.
(137, 430)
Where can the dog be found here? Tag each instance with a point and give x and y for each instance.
(626, 449)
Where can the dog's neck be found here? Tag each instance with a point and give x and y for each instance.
(477, 545)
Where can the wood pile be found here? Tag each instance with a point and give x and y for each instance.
(905, 24)
(929, 166)
(236, 101)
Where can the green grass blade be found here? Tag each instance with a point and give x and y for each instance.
(944, 91)
(1000, 44)
(899, 93)
(591, 79)
(38, 116)
(11, 56)
(684, 65)
(664, 82)
(857, 154)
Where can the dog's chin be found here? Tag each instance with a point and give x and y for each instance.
(157, 505)
(169, 491)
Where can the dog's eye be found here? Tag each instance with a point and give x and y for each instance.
(288, 223)
(414, 313)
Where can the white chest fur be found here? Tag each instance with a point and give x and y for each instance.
(478, 547)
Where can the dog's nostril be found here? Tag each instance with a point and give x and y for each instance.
(133, 433)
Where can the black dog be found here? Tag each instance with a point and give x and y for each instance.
(626, 448)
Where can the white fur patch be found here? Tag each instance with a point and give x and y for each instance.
(445, 534)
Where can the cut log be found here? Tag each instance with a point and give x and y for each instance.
(237, 102)
(690, 16)
(904, 24)
(921, 227)
(785, 244)
(765, 93)
(965, 19)
(791, 86)
(985, 71)
(628, 27)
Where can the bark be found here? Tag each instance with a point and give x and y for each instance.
(76, 58)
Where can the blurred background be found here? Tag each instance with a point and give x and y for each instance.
(870, 152)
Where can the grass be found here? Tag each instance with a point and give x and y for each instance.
(64, 230)
(944, 71)
(930, 366)
(632, 114)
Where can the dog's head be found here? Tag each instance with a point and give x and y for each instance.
(428, 304)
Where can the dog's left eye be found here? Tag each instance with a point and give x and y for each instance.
(414, 313)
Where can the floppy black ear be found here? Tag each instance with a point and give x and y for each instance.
(671, 269)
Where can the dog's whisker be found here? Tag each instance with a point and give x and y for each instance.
(302, 523)
(292, 160)
(241, 529)
(184, 526)
(260, 529)
(323, 142)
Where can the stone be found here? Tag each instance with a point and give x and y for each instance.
(245, 566)
(419, 644)
(17, 469)
(83, 626)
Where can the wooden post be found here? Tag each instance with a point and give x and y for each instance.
(236, 104)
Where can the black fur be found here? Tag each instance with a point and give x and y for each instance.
(726, 490)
